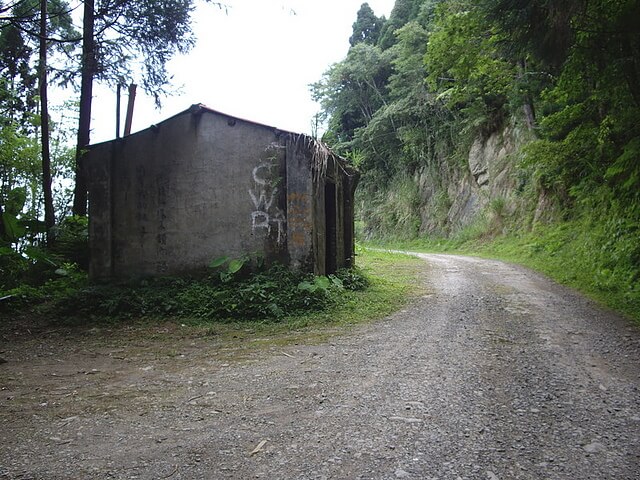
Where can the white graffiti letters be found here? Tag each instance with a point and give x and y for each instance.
(260, 220)
(259, 178)
(260, 201)
(266, 215)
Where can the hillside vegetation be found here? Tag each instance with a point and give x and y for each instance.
(505, 126)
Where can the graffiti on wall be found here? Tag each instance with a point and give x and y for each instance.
(266, 215)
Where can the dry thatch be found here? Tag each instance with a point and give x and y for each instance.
(321, 156)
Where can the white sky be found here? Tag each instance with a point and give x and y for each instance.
(255, 61)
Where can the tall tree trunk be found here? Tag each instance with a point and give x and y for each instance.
(529, 113)
(49, 215)
(527, 107)
(2, 229)
(86, 93)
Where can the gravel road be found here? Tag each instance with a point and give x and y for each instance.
(496, 373)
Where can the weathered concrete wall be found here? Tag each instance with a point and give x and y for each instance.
(202, 185)
(300, 212)
(196, 188)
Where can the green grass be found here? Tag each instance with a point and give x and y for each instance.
(393, 280)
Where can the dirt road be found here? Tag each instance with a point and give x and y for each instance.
(496, 374)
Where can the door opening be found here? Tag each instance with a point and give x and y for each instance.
(331, 231)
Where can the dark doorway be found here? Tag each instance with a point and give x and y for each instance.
(330, 215)
(347, 229)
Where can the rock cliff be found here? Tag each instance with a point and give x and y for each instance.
(455, 195)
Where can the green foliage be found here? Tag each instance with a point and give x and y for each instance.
(71, 243)
(393, 212)
(537, 28)
(353, 279)
(458, 69)
(19, 172)
(366, 28)
(403, 11)
(380, 285)
(218, 262)
(319, 284)
(466, 70)
(351, 91)
(32, 266)
(21, 192)
(591, 123)
(408, 129)
(12, 268)
(268, 294)
(625, 169)
(233, 266)
(57, 282)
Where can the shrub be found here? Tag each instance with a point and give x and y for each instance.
(269, 294)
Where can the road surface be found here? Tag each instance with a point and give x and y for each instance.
(496, 373)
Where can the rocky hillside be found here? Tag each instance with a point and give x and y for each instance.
(487, 181)
(480, 115)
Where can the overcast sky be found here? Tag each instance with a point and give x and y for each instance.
(254, 61)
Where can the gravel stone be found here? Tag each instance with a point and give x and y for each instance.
(497, 373)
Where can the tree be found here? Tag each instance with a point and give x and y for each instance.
(49, 215)
(403, 11)
(88, 70)
(376, 100)
(587, 58)
(19, 181)
(115, 34)
(18, 93)
(366, 28)
(537, 28)
(591, 126)
(28, 26)
(351, 91)
(466, 69)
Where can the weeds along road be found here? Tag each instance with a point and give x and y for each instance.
(496, 373)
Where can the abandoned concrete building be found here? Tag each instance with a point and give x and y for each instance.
(202, 185)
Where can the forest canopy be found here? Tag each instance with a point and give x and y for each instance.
(417, 88)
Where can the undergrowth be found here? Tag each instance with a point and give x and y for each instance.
(266, 295)
(380, 284)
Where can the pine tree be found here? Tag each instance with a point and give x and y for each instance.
(366, 28)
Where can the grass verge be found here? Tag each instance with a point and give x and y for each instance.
(580, 254)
